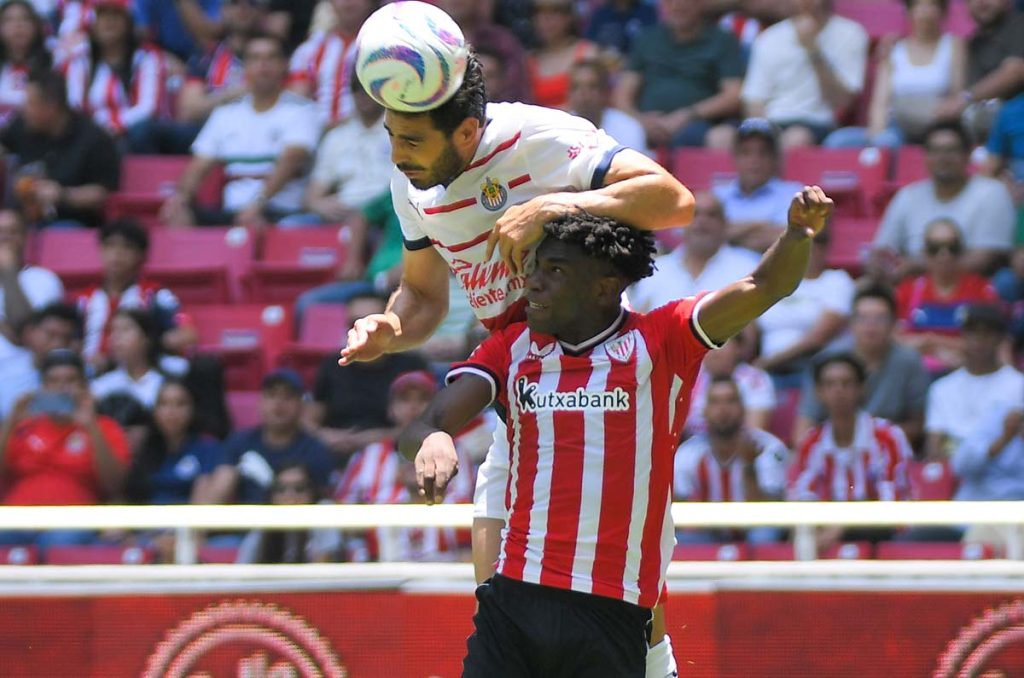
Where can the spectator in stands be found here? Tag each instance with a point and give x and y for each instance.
(683, 79)
(615, 24)
(321, 67)
(134, 350)
(958, 401)
(755, 386)
(995, 63)
(730, 461)
(265, 140)
(475, 20)
(896, 383)
(294, 483)
(757, 202)
(806, 322)
(980, 205)
(379, 474)
(258, 453)
(353, 165)
(23, 288)
(1006, 147)
(22, 50)
(748, 19)
(851, 456)
(67, 164)
(805, 69)
(703, 262)
(176, 464)
(56, 451)
(55, 326)
(989, 464)
(356, 276)
(590, 94)
(183, 27)
(559, 48)
(1009, 284)
(931, 306)
(291, 20)
(123, 248)
(118, 81)
(914, 76)
(350, 404)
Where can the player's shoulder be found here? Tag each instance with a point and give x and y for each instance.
(531, 120)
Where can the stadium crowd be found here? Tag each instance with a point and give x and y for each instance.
(890, 374)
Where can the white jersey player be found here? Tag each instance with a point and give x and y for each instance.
(473, 187)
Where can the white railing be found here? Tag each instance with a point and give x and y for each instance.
(803, 517)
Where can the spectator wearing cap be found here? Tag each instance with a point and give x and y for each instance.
(265, 140)
(757, 202)
(804, 69)
(683, 79)
(960, 400)
(990, 462)
(980, 205)
(257, 453)
(67, 164)
(931, 305)
(590, 93)
(56, 451)
(350, 404)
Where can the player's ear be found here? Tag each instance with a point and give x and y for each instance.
(609, 289)
(464, 136)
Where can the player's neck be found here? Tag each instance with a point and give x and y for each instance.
(585, 330)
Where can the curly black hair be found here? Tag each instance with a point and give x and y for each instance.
(469, 101)
(629, 250)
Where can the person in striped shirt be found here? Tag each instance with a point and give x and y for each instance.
(594, 398)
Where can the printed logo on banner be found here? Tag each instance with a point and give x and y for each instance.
(984, 647)
(256, 639)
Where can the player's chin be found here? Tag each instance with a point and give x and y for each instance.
(539, 320)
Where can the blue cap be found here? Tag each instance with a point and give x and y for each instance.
(285, 376)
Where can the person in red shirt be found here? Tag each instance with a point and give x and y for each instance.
(930, 307)
(56, 451)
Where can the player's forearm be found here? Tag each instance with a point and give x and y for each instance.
(649, 202)
(449, 412)
(783, 266)
(414, 317)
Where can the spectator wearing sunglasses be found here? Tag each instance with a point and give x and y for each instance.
(930, 307)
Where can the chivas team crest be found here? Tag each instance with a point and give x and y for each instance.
(493, 195)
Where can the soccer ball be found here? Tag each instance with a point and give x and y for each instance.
(411, 56)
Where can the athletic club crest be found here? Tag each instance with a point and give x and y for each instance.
(622, 348)
(492, 194)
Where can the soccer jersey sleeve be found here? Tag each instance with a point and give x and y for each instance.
(207, 144)
(304, 129)
(565, 151)
(413, 236)
(675, 329)
(490, 361)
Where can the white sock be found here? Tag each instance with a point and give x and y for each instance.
(660, 661)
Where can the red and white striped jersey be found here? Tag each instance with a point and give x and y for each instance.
(217, 69)
(101, 93)
(327, 62)
(526, 151)
(97, 307)
(744, 27)
(699, 476)
(592, 431)
(873, 467)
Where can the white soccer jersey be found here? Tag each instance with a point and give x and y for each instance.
(526, 151)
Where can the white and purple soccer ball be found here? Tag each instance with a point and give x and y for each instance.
(411, 56)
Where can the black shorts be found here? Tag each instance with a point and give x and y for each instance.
(526, 630)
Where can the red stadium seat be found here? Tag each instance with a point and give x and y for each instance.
(932, 480)
(244, 407)
(849, 237)
(932, 551)
(323, 331)
(851, 176)
(958, 20)
(778, 551)
(702, 168)
(148, 180)
(201, 265)
(218, 555)
(295, 260)
(724, 552)
(19, 555)
(73, 254)
(246, 337)
(99, 555)
(784, 551)
(878, 18)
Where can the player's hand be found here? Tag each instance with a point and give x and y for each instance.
(436, 464)
(810, 211)
(368, 339)
(522, 226)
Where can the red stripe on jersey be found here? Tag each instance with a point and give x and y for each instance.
(659, 489)
(222, 63)
(518, 181)
(513, 314)
(503, 146)
(703, 481)
(112, 102)
(451, 207)
(340, 73)
(381, 453)
(566, 483)
(616, 489)
(525, 435)
(462, 245)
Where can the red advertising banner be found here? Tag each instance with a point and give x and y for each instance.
(380, 634)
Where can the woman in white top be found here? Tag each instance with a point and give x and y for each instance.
(914, 76)
(134, 348)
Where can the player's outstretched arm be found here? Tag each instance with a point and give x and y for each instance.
(727, 311)
(415, 310)
(428, 440)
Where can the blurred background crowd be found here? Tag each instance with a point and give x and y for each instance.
(196, 205)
